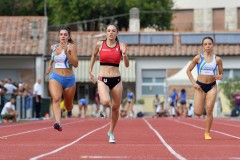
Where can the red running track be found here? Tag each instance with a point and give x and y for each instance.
(142, 138)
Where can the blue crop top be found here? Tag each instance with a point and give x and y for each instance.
(61, 60)
(205, 68)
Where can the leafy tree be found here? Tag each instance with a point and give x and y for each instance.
(90, 14)
(21, 7)
(230, 87)
(157, 12)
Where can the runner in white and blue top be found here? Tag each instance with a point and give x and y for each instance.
(206, 68)
(61, 60)
(62, 80)
(210, 69)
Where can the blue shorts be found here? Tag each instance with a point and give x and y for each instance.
(83, 102)
(65, 81)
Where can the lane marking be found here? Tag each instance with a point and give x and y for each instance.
(226, 124)
(229, 135)
(178, 156)
(215, 121)
(35, 130)
(103, 157)
(69, 144)
(21, 124)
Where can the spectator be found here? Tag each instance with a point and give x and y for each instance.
(37, 90)
(29, 100)
(156, 103)
(82, 108)
(183, 103)
(63, 110)
(2, 97)
(190, 110)
(173, 111)
(130, 102)
(160, 111)
(9, 112)
(10, 89)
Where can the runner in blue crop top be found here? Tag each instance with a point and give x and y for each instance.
(62, 80)
(130, 102)
(210, 69)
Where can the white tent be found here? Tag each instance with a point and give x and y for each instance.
(181, 78)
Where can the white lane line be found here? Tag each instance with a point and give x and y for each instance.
(226, 124)
(229, 135)
(173, 152)
(223, 123)
(69, 144)
(234, 158)
(30, 131)
(23, 123)
(103, 157)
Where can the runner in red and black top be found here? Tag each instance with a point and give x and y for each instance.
(109, 80)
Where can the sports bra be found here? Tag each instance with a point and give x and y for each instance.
(205, 68)
(130, 95)
(61, 60)
(110, 56)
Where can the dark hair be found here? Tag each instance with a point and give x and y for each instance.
(116, 26)
(207, 38)
(183, 91)
(68, 29)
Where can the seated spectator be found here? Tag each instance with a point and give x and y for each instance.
(9, 112)
(82, 106)
(156, 103)
(190, 110)
(63, 109)
(161, 112)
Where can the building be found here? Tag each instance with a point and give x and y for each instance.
(205, 15)
(25, 49)
(22, 47)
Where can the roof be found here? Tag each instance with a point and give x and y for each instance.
(22, 35)
(86, 42)
(27, 35)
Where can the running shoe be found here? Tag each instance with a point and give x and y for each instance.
(5, 120)
(207, 136)
(102, 114)
(69, 114)
(57, 126)
(111, 137)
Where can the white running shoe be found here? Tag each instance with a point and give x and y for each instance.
(102, 114)
(111, 137)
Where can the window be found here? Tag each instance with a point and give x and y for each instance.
(231, 73)
(153, 81)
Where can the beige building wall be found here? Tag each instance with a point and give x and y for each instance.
(217, 15)
(182, 20)
(231, 18)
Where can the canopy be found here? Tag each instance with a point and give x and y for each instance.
(181, 78)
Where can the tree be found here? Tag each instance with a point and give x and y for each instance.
(21, 8)
(90, 14)
(230, 87)
(157, 12)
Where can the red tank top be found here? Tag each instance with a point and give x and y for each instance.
(110, 56)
